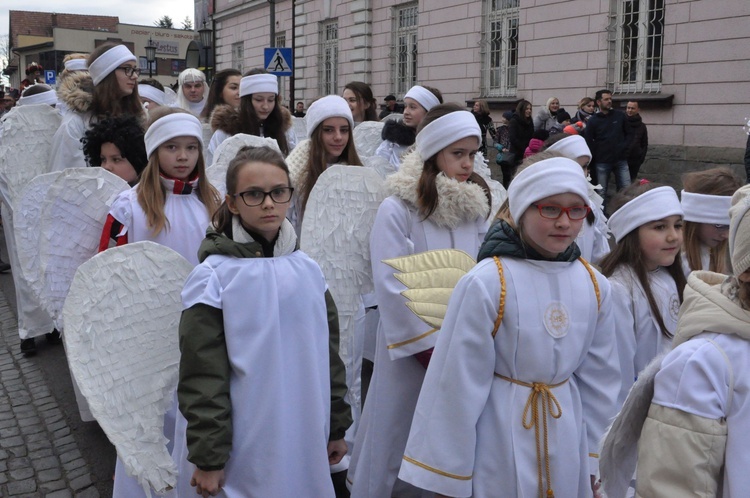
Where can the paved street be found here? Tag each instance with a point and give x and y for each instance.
(45, 449)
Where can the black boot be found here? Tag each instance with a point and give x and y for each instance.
(28, 347)
(53, 337)
(4, 266)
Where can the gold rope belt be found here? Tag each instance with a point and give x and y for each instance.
(551, 407)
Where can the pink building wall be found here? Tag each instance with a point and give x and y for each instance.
(563, 52)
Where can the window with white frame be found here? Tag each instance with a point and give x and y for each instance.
(281, 42)
(638, 42)
(404, 50)
(329, 58)
(238, 56)
(500, 48)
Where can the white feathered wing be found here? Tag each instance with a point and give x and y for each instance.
(121, 316)
(335, 232)
(367, 138)
(227, 150)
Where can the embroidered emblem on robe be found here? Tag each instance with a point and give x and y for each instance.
(557, 320)
(674, 307)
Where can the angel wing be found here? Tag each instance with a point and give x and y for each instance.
(393, 117)
(367, 137)
(207, 134)
(26, 146)
(335, 232)
(430, 278)
(74, 207)
(499, 194)
(619, 448)
(381, 165)
(171, 97)
(225, 152)
(300, 128)
(121, 318)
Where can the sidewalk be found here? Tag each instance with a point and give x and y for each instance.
(39, 456)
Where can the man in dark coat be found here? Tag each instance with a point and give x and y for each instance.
(605, 136)
(637, 135)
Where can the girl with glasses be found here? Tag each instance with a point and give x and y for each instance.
(261, 386)
(646, 274)
(705, 198)
(108, 89)
(436, 201)
(524, 377)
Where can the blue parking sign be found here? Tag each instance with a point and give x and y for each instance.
(50, 77)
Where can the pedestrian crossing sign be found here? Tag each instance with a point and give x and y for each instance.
(278, 60)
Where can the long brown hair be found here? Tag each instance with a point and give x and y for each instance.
(714, 181)
(215, 92)
(222, 218)
(273, 126)
(427, 193)
(628, 252)
(107, 100)
(151, 193)
(364, 95)
(317, 161)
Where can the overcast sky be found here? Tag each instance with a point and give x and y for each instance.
(143, 12)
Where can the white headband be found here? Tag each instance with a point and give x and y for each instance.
(109, 61)
(76, 65)
(330, 106)
(152, 93)
(652, 205)
(179, 124)
(422, 95)
(704, 208)
(557, 175)
(49, 97)
(259, 83)
(444, 131)
(572, 147)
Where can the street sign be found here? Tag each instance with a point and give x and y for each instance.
(278, 61)
(50, 77)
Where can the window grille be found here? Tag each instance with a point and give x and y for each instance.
(238, 56)
(638, 42)
(500, 48)
(329, 58)
(404, 49)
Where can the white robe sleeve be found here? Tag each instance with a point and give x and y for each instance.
(291, 138)
(122, 210)
(598, 376)
(694, 379)
(67, 150)
(216, 139)
(405, 333)
(202, 287)
(440, 454)
(625, 336)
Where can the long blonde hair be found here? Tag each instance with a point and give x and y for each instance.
(715, 181)
(151, 193)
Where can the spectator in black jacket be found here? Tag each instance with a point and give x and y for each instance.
(521, 131)
(637, 135)
(605, 136)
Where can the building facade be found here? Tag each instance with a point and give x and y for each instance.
(46, 38)
(685, 61)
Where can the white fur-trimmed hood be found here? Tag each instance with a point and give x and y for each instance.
(458, 202)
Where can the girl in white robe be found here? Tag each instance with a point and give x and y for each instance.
(524, 377)
(705, 199)
(646, 275)
(695, 439)
(436, 202)
(399, 136)
(264, 418)
(330, 123)
(171, 206)
(108, 89)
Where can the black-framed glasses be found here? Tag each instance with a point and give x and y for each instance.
(252, 198)
(130, 71)
(553, 211)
